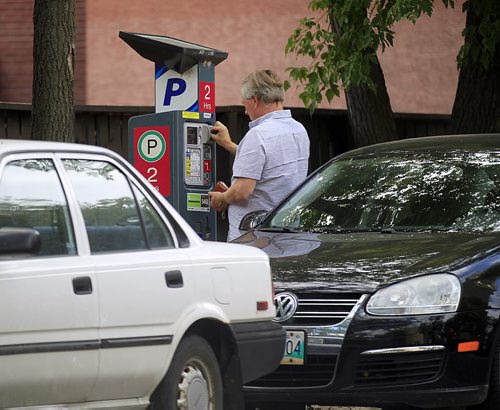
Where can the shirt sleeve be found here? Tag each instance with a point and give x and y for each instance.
(250, 157)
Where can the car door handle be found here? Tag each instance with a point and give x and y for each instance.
(82, 285)
(174, 279)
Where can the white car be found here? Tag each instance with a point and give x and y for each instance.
(110, 300)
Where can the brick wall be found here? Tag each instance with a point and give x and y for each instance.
(16, 50)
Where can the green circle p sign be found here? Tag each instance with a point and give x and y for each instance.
(151, 146)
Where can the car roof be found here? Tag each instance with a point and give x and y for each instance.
(442, 143)
(13, 145)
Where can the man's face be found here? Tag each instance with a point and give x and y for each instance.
(250, 105)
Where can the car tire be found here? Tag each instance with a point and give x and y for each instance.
(193, 380)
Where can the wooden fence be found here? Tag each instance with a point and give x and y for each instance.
(108, 126)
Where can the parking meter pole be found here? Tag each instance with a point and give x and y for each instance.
(172, 147)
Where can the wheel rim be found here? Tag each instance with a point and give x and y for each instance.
(195, 388)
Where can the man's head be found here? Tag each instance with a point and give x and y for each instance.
(262, 92)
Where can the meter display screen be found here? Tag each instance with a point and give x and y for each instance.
(192, 135)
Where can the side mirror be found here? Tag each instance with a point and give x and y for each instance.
(252, 220)
(19, 240)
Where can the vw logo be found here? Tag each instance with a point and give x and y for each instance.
(286, 304)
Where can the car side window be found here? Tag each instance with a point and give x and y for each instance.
(158, 235)
(31, 196)
(113, 219)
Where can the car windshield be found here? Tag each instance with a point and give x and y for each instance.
(397, 192)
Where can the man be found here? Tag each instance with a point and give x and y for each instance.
(271, 159)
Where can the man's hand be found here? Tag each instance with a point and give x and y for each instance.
(217, 201)
(238, 193)
(220, 135)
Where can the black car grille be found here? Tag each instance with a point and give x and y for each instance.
(322, 309)
(318, 370)
(400, 368)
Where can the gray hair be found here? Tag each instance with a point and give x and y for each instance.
(265, 85)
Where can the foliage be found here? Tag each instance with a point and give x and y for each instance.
(343, 37)
(482, 36)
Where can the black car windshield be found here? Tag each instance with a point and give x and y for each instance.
(397, 192)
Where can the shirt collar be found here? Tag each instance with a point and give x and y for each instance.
(270, 115)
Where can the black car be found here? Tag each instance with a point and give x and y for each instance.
(386, 264)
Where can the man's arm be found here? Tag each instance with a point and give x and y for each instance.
(238, 192)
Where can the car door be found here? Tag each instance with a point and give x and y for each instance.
(139, 274)
(48, 326)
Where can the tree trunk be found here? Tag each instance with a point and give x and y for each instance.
(370, 113)
(53, 78)
(477, 101)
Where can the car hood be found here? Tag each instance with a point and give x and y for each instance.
(364, 262)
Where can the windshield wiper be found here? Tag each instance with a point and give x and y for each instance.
(329, 230)
(432, 229)
(282, 229)
(385, 229)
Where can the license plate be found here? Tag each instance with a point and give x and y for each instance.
(294, 348)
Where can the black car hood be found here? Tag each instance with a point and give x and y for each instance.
(364, 262)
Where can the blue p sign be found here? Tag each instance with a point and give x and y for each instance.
(175, 87)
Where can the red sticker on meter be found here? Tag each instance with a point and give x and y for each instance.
(152, 156)
(207, 166)
(206, 97)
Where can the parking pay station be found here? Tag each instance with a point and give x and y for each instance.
(172, 147)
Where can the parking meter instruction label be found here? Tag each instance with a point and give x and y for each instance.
(152, 156)
(193, 166)
(198, 202)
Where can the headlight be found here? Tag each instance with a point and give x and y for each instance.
(438, 293)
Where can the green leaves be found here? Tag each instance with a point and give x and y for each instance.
(343, 37)
(482, 34)
(340, 42)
